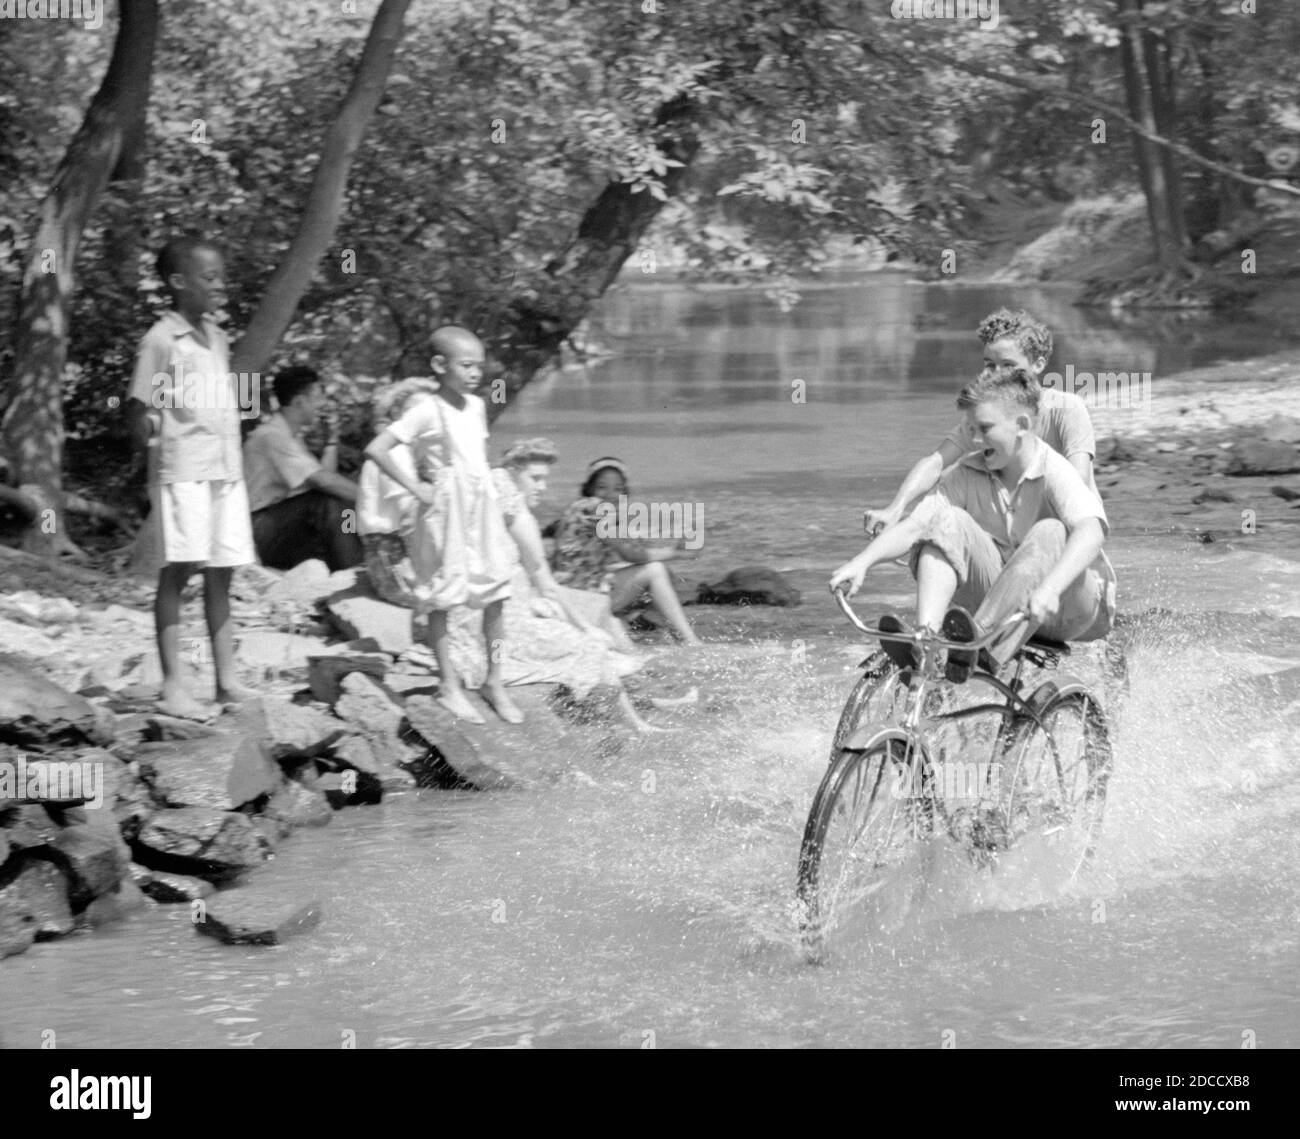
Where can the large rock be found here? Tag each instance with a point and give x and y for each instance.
(33, 907)
(307, 582)
(439, 728)
(253, 773)
(34, 710)
(357, 615)
(95, 859)
(164, 887)
(257, 915)
(122, 901)
(269, 653)
(190, 773)
(290, 730)
(1281, 429)
(299, 806)
(365, 705)
(200, 841)
(325, 672)
(1263, 457)
(28, 827)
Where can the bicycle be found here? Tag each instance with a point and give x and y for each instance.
(889, 788)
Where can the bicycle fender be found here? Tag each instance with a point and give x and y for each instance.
(868, 735)
(1052, 690)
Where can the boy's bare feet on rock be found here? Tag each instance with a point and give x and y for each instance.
(179, 703)
(456, 702)
(502, 705)
(234, 694)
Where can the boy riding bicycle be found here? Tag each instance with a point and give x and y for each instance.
(1011, 527)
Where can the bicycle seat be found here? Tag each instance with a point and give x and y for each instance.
(1044, 652)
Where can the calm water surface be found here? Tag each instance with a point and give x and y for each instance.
(645, 898)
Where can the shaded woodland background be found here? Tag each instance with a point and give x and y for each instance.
(373, 170)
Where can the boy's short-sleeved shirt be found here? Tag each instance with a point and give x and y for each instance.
(1063, 424)
(441, 435)
(198, 397)
(277, 464)
(1049, 488)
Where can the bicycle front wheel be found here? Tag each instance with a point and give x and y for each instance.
(873, 806)
(870, 701)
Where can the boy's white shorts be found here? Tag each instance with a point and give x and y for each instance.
(204, 522)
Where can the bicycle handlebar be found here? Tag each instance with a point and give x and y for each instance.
(920, 635)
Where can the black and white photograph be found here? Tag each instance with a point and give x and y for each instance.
(651, 525)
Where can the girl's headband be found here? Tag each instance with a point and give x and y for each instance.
(601, 464)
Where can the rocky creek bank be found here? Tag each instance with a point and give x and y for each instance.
(108, 807)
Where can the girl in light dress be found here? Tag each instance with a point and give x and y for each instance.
(460, 551)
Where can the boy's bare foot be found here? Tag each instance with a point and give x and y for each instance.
(459, 706)
(234, 694)
(502, 705)
(179, 703)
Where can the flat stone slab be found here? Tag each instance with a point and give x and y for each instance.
(190, 773)
(35, 710)
(325, 672)
(257, 915)
(357, 614)
(164, 887)
(201, 841)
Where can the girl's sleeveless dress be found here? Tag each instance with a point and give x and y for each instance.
(541, 647)
(460, 551)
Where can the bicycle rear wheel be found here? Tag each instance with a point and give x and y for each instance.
(1054, 774)
(870, 811)
(870, 701)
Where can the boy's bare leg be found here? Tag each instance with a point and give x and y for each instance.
(936, 583)
(216, 611)
(450, 693)
(494, 639)
(167, 621)
(629, 584)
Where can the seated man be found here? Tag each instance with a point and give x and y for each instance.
(1011, 527)
(302, 507)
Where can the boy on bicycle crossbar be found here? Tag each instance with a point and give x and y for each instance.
(1012, 526)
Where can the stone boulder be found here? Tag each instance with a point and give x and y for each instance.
(202, 842)
(94, 858)
(439, 728)
(256, 915)
(34, 710)
(325, 672)
(28, 826)
(296, 805)
(267, 653)
(169, 888)
(120, 902)
(190, 773)
(356, 614)
(1281, 429)
(33, 906)
(290, 730)
(307, 582)
(1263, 457)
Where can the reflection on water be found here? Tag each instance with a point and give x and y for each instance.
(647, 898)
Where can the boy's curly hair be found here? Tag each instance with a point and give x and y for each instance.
(1017, 389)
(1033, 336)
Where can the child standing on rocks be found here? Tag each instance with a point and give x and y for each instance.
(184, 407)
(460, 550)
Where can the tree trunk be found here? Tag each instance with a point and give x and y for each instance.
(324, 206)
(32, 428)
(607, 236)
(1149, 101)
